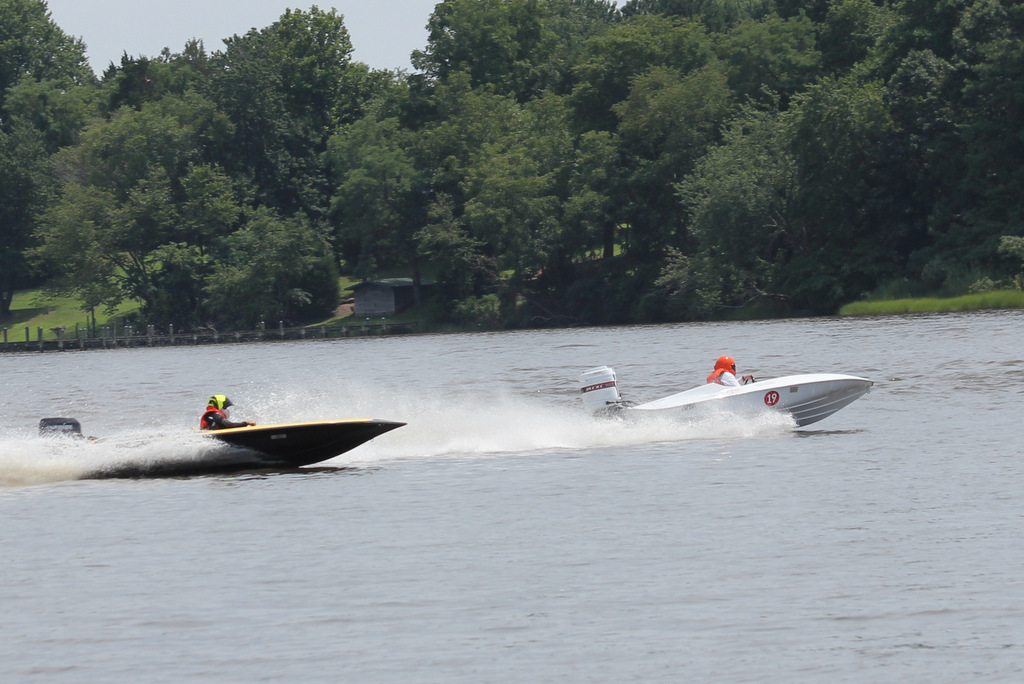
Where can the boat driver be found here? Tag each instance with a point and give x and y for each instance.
(215, 417)
(725, 373)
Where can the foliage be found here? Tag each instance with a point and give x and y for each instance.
(271, 268)
(741, 202)
(504, 43)
(612, 59)
(463, 267)
(850, 31)
(718, 15)
(34, 48)
(479, 312)
(1013, 246)
(550, 160)
(773, 58)
(37, 59)
(285, 88)
(374, 200)
(667, 124)
(25, 180)
(133, 186)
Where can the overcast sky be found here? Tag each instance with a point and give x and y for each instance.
(383, 32)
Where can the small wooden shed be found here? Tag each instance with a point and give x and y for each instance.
(388, 295)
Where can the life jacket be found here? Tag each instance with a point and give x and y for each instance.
(203, 424)
(716, 376)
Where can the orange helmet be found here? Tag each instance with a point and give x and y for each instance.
(725, 363)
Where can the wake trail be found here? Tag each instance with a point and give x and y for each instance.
(473, 426)
(436, 427)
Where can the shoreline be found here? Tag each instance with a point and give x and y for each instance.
(61, 338)
(996, 299)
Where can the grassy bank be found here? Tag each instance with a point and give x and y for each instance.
(999, 299)
(33, 309)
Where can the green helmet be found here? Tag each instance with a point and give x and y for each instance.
(219, 402)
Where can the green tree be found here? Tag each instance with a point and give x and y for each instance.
(839, 133)
(170, 134)
(463, 267)
(775, 55)
(740, 200)
(990, 37)
(206, 212)
(312, 51)
(139, 80)
(497, 181)
(525, 175)
(792, 205)
(58, 111)
(718, 15)
(76, 235)
(666, 125)
(952, 74)
(512, 209)
(1013, 246)
(466, 119)
(135, 184)
(38, 64)
(26, 180)
(178, 278)
(285, 88)
(105, 243)
(502, 43)
(207, 208)
(573, 23)
(815, 10)
(33, 47)
(850, 31)
(590, 216)
(276, 269)
(614, 58)
(377, 197)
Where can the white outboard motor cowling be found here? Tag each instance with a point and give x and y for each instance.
(598, 389)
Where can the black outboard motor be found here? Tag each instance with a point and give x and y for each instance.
(69, 427)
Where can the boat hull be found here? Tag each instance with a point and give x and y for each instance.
(807, 398)
(293, 445)
(260, 447)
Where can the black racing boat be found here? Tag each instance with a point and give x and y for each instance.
(258, 447)
(292, 445)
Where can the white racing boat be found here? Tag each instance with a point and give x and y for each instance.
(807, 398)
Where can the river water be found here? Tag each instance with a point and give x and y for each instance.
(504, 536)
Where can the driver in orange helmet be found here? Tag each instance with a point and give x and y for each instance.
(725, 373)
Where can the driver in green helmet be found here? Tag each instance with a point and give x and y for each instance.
(215, 417)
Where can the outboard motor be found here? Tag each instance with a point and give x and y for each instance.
(599, 391)
(69, 427)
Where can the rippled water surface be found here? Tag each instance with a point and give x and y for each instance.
(504, 536)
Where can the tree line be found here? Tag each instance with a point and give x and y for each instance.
(546, 161)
